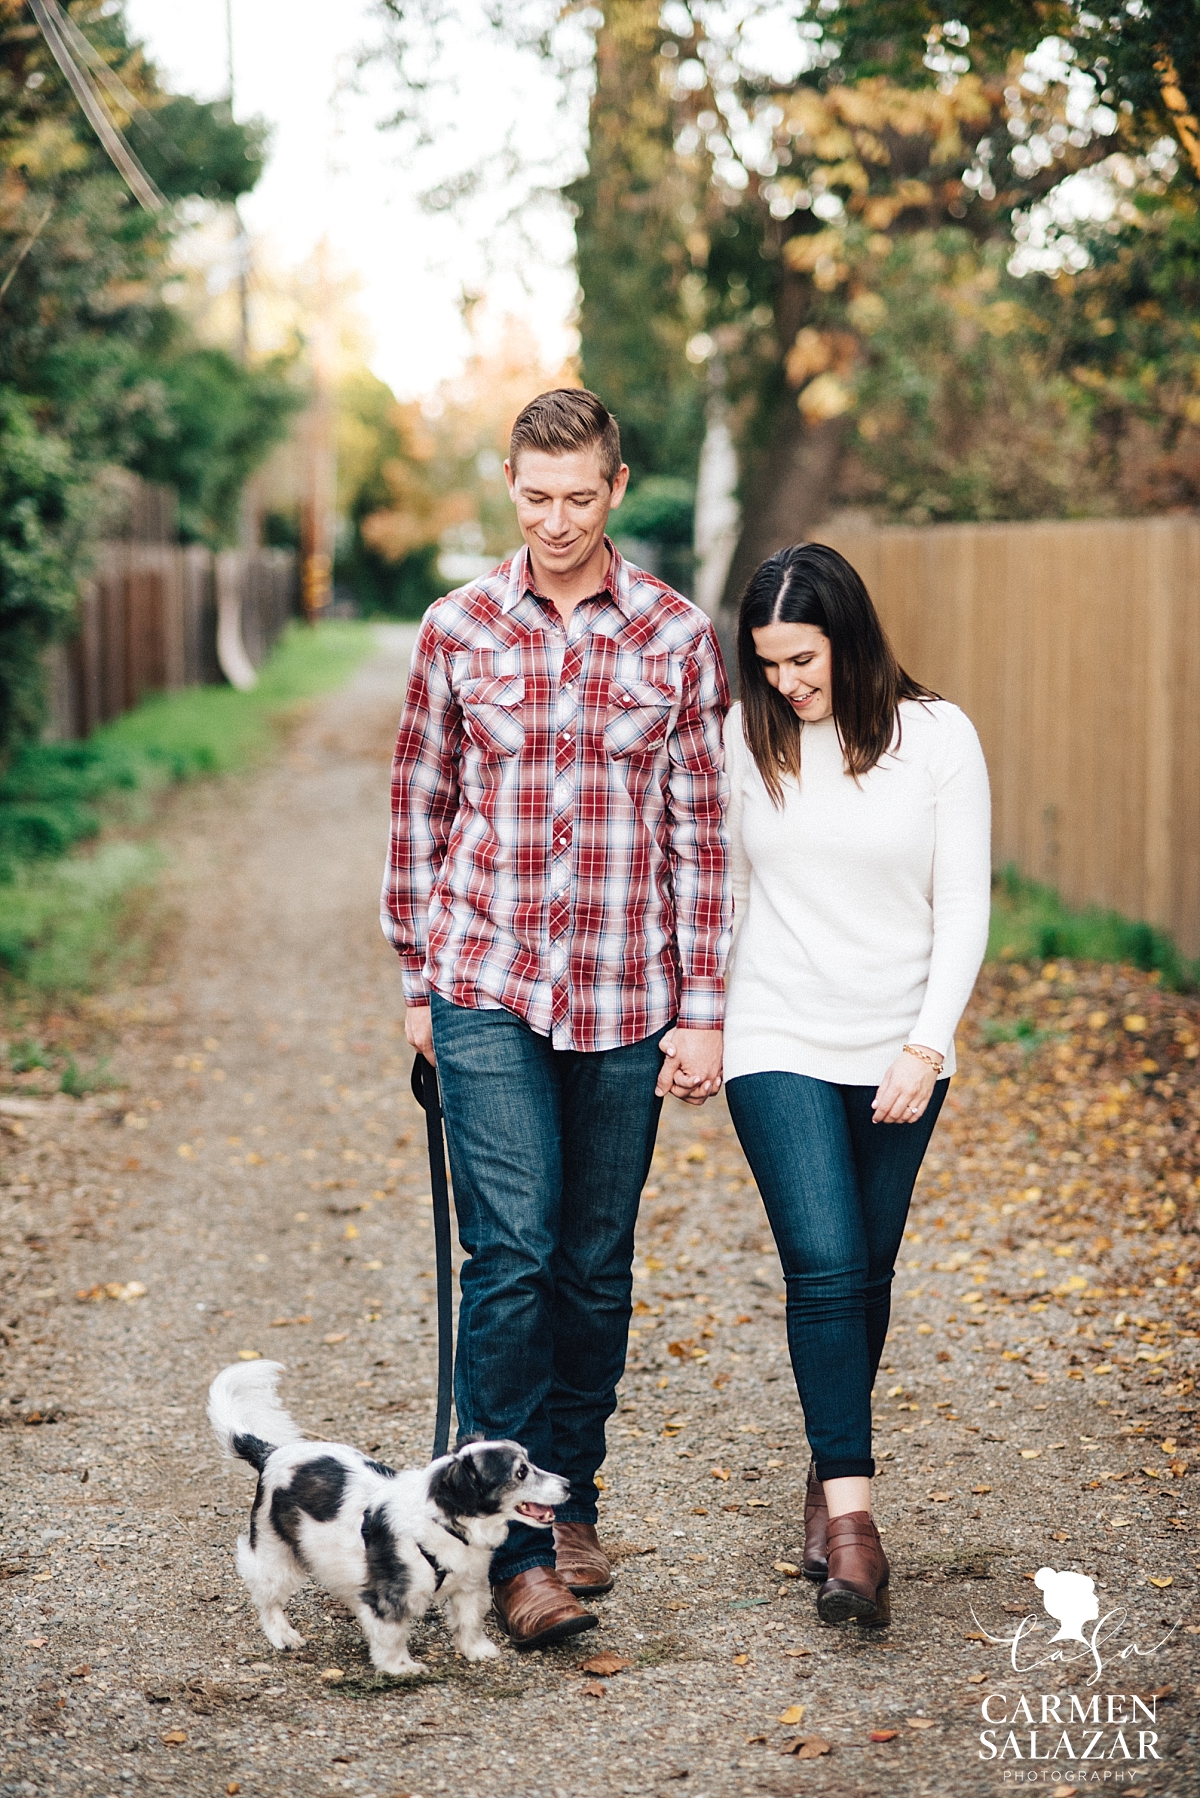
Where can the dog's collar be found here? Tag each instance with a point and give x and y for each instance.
(435, 1564)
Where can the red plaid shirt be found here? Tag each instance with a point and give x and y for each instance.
(557, 844)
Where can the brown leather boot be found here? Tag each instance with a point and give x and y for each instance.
(537, 1609)
(580, 1559)
(858, 1573)
(816, 1523)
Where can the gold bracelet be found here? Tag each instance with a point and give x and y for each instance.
(928, 1056)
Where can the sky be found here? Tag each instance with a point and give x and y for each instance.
(333, 172)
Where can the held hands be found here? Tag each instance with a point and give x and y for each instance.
(692, 1070)
(904, 1091)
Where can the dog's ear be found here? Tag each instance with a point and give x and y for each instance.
(466, 1441)
(457, 1489)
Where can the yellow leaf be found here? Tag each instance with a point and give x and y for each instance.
(337, 1336)
(1030, 1454)
(1134, 1023)
(1097, 1020)
(920, 1722)
(924, 1329)
(332, 1675)
(1162, 1583)
(720, 1473)
(697, 1152)
(249, 1355)
(350, 1232)
(793, 1714)
(741, 1660)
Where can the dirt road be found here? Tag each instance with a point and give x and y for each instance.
(258, 1187)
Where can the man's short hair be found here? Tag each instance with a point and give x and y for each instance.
(567, 419)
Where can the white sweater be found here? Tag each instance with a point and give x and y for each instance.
(861, 908)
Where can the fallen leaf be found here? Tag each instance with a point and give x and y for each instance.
(793, 1714)
(249, 1355)
(743, 1660)
(789, 1568)
(232, 1789)
(808, 1748)
(720, 1473)
(1030, 1454)
(175, 1737)
(920, 1722)
(940, 1498)
(593, 1688)
(884, 1735)
(605, 1664)
(337, 1336)
(976, 1679)
(36, 1641)
(1163, 1582)
(332, 1676)
(980, 1490)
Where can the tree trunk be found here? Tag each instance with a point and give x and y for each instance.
(786, 491)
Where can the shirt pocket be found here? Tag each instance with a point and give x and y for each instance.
(491, 709)
(638, 718)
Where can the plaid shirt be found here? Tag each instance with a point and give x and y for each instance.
(558, 847)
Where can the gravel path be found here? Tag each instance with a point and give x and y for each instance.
(258, 1187)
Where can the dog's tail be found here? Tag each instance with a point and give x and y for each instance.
(245, 1414)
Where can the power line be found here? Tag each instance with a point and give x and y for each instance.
(143, 189)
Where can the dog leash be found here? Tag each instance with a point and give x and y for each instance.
(428, 1097)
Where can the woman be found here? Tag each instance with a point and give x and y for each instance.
(860, 837)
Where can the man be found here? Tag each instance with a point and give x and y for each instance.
(556, 889)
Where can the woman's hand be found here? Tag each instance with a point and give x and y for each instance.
(904, 1091)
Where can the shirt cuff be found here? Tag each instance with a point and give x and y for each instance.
(702, 1005)
(416, 987)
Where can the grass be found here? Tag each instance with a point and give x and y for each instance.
(65, 917)
(1032, 923)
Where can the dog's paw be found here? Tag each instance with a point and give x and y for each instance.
(482, 1650)
(403, 1667)
(284, 1636)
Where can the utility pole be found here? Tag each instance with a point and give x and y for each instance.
(318, 516)
(241, 241)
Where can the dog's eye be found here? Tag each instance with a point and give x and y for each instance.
(521, 1472)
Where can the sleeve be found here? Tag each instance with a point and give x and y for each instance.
(962, 883)
(739, 863)
(424, 804)
(698, 847)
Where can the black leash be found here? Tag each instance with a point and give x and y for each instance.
(426, 1093)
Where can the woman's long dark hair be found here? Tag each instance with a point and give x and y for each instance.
(811, 584)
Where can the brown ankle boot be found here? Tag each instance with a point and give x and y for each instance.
(816, 1523)
(857, 1586)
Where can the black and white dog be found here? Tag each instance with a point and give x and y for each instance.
(387, 1544)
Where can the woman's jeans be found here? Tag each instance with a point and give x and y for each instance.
(549, 1150)
(837, 1189)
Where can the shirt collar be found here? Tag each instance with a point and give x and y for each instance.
(614, 586)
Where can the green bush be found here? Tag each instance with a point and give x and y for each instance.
(1031, 922)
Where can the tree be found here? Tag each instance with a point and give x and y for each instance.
(93, 362)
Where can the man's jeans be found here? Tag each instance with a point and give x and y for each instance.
(549, 1150)
(837, 1189)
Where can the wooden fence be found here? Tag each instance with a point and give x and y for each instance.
(156, 617)
(1075, 650)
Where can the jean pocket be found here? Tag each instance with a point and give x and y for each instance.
(491, 713)
(638, 718)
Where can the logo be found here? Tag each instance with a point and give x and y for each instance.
(1069, 1729)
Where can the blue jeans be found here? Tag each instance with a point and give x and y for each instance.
(837, 1189)
(549, 1150)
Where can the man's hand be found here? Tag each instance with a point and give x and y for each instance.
(692, 1070)
(418, 1031)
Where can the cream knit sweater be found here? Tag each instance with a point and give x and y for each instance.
(861, 908)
